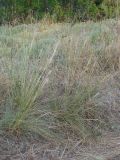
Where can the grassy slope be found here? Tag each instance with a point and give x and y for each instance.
(51, 74)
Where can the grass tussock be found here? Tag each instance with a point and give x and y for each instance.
(53, 77)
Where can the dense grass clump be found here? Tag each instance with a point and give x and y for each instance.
(50, 76)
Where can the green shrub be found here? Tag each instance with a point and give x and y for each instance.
(111, 8)
(18, 10)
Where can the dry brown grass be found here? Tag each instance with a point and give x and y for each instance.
(4, 88)
(87, 56)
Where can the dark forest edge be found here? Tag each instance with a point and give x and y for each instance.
(19, 11)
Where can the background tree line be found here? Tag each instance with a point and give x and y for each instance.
(58, 10)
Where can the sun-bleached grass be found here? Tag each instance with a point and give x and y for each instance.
(88, 54)
(54, 75)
